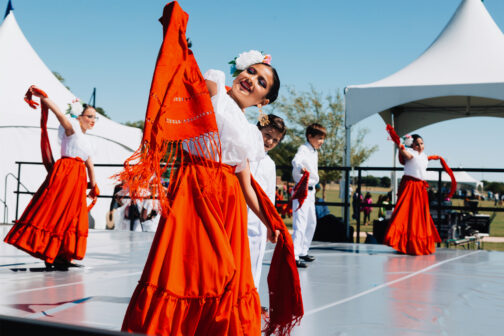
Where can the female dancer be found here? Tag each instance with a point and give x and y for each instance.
(411, 229)
(197, 279)
(54, 226)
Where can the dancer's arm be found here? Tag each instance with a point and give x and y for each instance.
(404, 153)
(252, 201)
(212, 87)
(57, 112)
(91, 174)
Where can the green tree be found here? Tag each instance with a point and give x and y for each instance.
(385, 181)
(138, 124)
(301, 109)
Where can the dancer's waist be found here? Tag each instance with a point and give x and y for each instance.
(78, 159)
(201, 161)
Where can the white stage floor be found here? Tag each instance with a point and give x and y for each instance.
(349, 289)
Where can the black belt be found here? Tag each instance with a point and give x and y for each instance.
(310, 188)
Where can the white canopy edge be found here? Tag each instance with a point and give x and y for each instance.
(466, 59)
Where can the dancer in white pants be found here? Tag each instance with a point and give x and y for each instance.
(264, 172)
(304, 218)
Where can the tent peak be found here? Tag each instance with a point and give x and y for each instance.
(8, 9)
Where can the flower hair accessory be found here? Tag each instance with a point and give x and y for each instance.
(246, 59)
(75, 108)
(408, 140)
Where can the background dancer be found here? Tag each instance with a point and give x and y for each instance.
(264, 172)
(54, 225)
(304, 219)
(411, 229)
(197, 278)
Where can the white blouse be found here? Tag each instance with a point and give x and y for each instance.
(75, 145)
(240, 140)
(307, 158)
(417, 166)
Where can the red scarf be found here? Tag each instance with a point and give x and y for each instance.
(179, 111)
(301, 189)
(286, 303)
(448, 171)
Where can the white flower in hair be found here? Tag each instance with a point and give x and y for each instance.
(75, 108)
(246, 59)
(408, 140)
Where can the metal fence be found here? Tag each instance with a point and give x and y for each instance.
(346, 204)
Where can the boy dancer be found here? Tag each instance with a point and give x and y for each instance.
(304, 218)
(264, 172)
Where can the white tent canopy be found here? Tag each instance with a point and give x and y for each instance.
(460, 75)
(20, 66)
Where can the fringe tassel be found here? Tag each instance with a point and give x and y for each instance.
(145, 169)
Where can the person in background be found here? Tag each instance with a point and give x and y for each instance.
(304, 217)
(264, 172)
(54, 225)
(367, 209)
(411, 229)
(356, 200)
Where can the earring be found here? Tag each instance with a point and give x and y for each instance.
(263, 118)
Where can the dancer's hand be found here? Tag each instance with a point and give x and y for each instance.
(94, 192)
(37, 92)
(273, 236)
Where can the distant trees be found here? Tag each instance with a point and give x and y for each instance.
(495, 187)
(372, 181)
(138, 124)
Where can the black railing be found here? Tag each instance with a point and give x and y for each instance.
(439, 207)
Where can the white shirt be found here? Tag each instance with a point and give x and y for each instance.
(417, 166)
(240, 140)
(75, 145)
(264, 172)
(307, 158)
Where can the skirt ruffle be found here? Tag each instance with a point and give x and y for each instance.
(412, 230)
(55, 222)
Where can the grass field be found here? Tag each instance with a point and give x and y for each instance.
(332, 195)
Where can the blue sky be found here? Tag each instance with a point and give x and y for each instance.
(112, 45)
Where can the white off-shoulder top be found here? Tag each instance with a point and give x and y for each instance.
(417, 166)
(75, 145)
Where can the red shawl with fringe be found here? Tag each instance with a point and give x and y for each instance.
(179, 112)
(286, 303)
(395, 138)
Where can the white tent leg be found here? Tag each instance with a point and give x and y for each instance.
(347, 163)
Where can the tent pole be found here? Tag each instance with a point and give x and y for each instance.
(347, 163)
(394, 164)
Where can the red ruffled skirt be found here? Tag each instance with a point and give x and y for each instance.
(55, 223)
(197, 279)
(412, 230)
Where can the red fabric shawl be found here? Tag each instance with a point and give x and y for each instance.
(301, 189)
(286, 303)
(179, 112)
(448, 170)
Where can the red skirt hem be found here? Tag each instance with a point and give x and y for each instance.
(55, 222)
